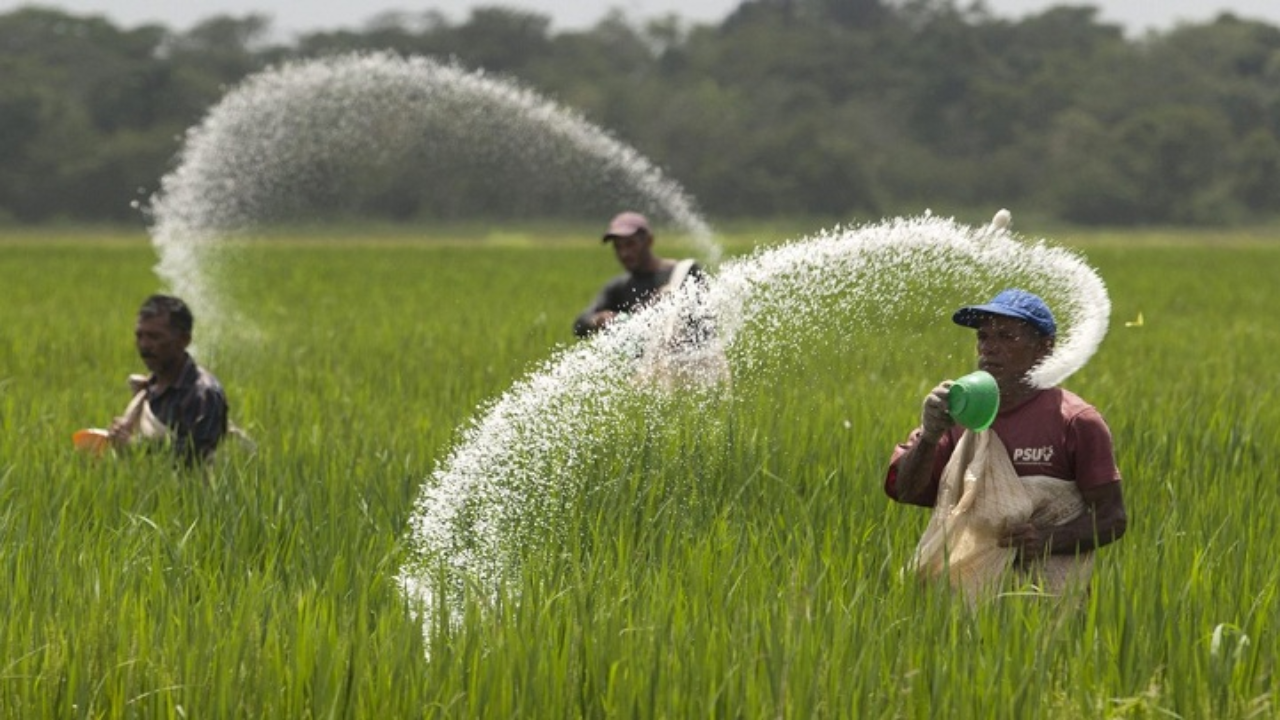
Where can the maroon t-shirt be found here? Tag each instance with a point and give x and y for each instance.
(1053, 433)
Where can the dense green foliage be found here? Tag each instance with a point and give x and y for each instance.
(754, 576)
(807, 108)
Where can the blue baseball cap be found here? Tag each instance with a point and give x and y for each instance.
(1012, 303)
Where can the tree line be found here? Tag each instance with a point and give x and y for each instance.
(785, 108)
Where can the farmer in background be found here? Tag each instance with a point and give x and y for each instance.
(1047, 441)
(645, 278)
(180, 405)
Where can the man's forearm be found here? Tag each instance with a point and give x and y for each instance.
(1089, 531)
(915, 473)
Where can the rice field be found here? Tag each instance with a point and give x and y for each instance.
(739, 561)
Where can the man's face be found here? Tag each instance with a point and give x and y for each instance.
(1008, 348)
(161, 347)
(633, 251)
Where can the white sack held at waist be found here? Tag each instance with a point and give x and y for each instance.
(979, 498)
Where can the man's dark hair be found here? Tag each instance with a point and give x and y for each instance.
(180, 317)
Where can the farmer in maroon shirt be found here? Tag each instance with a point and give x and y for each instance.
(1047, 431)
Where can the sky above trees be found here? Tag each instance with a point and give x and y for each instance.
(290, 16)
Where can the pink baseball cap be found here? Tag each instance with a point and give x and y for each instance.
(625, 225)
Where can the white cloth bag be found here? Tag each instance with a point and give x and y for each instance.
(979, 497)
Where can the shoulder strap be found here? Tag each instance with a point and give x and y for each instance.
(140, 422)
(678, 275)
(133, 413)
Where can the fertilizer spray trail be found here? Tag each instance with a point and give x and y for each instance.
(293, 142)
(501, 489)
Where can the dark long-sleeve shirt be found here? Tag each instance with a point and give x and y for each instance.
(627, 293)
(194, 409)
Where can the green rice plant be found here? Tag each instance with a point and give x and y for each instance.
(737, 559)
